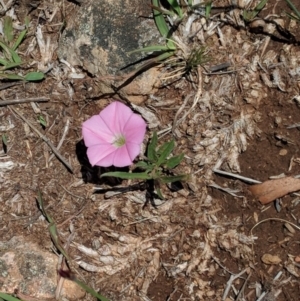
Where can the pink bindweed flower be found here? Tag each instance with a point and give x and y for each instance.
(114, 136)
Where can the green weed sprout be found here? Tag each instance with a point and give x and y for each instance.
(174, 53)
(9, 57)
(156, 167)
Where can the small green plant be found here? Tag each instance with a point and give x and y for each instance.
(175, 53)
(9, 57)
(249, 15)
(156, 167)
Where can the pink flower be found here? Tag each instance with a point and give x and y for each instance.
(114, 137)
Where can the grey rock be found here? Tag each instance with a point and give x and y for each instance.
(31, 271)
(101, 35)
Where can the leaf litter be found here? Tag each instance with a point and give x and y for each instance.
(190, 245)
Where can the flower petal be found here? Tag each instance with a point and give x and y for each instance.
(101, 155)
(123, 157)
(95, 131)
(135, 129)
(115, 116)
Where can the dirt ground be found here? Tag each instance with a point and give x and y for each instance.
(190, 245)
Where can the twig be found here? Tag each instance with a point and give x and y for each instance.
(243, 288)
(49, 143)
(23, 100)
(225, 173)
(63, 137)
(274, 219)
(231, 279)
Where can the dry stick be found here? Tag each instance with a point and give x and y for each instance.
(225, 173)
(66, 129)
(49, 143)
(23, 100)
(231, 279)
(274, 219)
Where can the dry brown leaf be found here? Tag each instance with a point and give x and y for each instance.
(270, 190)
(270, 259)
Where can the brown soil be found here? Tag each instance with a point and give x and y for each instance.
(201, 229)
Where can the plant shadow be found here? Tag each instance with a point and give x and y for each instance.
(91, 174)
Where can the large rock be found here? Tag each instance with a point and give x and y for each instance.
(101, 35)
(31, 271)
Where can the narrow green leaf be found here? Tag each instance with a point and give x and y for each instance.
(42, 121)
(170, 179)
(8, 297)
(151, 150)
(162, 25)
(90, 290)
(169, 146)
(249, 15)
(11, 76)
(6, 50)
(126, 175)
(34, 76)
(52, 227)
(15, 56)
(160, 20)
(19, 39)
(159, 193)
(293, 7)
(174, 161)
(175, 6)
(3, 61)
(4, 139)
(142, 164)
(8, 29)
(208, 9)
(9, 65)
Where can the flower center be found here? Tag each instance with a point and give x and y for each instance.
(119, 141)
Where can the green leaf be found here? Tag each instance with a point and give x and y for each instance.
(11, 76)
(52, 227)
(142, 165)
(166, 151)
(208, 9)
(170, 179)
(34, 76)
(293, 7)
(4, 139)
(151, 150)
(3, 62)
(90, 290)
(159, 193)
(162, 25)
(249, 15)
(8, 29)
(15, 56)
(9, 65)
(175, 6)
(174, 161)
(127, 175)
(19, 39)
(6, 50)
(8, 297)
(42, 121)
